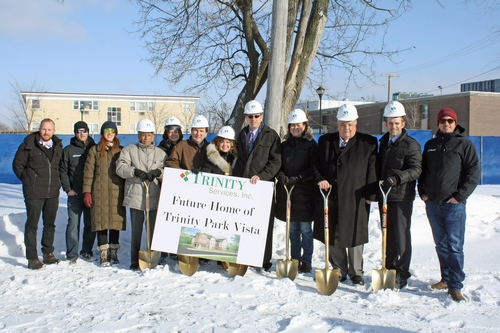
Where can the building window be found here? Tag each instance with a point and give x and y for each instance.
(35, 126)
(88, 105)
(424, 111)
(142, 106)
(35, 103)
(94, 128)
(131, 129)
(115, 115)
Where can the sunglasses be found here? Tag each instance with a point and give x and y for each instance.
(81, 131)
(250, 116)
(109, 130)
(447, 120)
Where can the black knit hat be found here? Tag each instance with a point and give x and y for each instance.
(80, 124)
(108, 124)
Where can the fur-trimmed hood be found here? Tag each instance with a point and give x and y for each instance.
(214, 156)
(308, 135)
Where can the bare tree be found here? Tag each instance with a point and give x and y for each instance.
(21, 113)
(217, 113)
(413, 114)
(158, 116)
(225, 44)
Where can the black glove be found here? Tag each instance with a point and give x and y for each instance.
(294, 180)
(196, 171)
(154, 174)
(141, 174)
(391, 181)
(283, 179)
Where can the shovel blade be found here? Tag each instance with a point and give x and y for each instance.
(234, 269)
(383, 279)
(287, 268)
(188, 265)
(148, 259)
(327, 280)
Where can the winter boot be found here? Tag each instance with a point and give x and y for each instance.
(104, 255)
(113, 254)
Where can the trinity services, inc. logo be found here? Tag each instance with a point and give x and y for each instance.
(185, 175)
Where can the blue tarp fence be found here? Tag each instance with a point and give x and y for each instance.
(488, 148)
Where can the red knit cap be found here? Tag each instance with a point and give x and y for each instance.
(447, 112)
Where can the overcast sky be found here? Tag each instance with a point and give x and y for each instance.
(89, 46)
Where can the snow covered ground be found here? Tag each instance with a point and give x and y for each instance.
(87, 298)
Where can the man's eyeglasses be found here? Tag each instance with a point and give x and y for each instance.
(80, 131)
(109, 130)
(446, 120)
(251, 116)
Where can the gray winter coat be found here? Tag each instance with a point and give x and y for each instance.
(145, 158)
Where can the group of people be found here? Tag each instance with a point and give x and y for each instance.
(102, 179)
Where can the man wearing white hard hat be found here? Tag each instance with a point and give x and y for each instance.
(400, 167)
(259, 149)
(191, 154)
(347, 161)
(139, 163)
(221, 153)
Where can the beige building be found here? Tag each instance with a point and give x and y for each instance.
(478, 112)
(125, 110)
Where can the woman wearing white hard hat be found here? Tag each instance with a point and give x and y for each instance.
(172, 134)
(140, 164)
(297, 153)
(221, 153)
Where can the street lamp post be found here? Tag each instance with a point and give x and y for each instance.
(82, 108)
(320, 91)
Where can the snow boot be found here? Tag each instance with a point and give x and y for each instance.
(113, 254)
(104, 249)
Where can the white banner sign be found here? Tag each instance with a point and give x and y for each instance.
(213, 216)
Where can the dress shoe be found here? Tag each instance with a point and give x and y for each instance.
(358, 279)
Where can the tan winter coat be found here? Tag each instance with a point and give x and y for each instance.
(107, 189)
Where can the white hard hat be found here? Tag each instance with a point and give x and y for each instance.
(253, 107)
(172, 121)
(347, 112)
(297, 116)
(199, 122)
(394, 109)
(146, 126)
(227, 132)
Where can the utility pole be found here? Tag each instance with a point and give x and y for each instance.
(276, 77)
(389, 76)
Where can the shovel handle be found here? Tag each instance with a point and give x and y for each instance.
(146, 188)
(327, 225)
(288, 216)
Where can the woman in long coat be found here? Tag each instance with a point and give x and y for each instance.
(297, 153)
(103, 193)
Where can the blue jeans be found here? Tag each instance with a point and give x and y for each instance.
(298, 243)
(448, 229)
(75, 209)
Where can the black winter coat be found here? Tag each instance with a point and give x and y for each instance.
(450, 167)
(403, 159)
(38, 173)
(353, 175)
(265, 158)
(72, 165)
(296, 156)
(218, 162)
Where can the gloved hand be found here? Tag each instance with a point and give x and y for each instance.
(196, 171)
(154, 174)
(87, 199)
(141, 174)
(294, 180)
(391, 181)
(283, 179)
